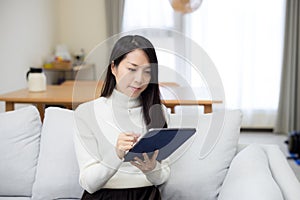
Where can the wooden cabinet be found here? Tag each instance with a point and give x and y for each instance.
(61, 74)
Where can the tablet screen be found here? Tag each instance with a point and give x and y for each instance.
(166, 140)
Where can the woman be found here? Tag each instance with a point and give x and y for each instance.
(109, 126)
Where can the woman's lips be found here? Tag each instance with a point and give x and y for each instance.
(135, 89)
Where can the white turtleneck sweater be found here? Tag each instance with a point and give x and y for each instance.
(99, 122)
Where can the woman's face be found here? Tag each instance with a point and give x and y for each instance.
(133, 73)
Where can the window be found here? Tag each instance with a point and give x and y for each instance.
(141, 14)
(244, 38)
(144, 14)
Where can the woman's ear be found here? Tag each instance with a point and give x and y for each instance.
(113, 68)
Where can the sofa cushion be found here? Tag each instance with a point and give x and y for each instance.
(57, 171)
(250, 177)
(282, 173)
(19, 149)
(196, 176)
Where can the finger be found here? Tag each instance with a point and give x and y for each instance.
(137, 135)
(134, 163)
(155, 154)
(130, 134)
(125, 147)
(139, 160)
(124, 143)
(146, 157)
(135, 139)
(127, 138)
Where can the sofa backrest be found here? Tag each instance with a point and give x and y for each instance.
(196, 176)
(57, 173)
(19, 150)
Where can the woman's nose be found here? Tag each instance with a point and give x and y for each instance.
(139, 77)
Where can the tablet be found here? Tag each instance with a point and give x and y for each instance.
(166, 140)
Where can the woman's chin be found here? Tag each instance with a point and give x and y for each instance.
(134, 93)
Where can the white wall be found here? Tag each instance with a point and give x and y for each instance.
(81, 24)
(31, 29)
(27, 36)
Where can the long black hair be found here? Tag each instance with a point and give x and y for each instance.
(150, 97)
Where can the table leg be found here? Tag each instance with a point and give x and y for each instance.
(9, 106)
(41, 108)
(69, 106)
(207, 108)
(172, 109)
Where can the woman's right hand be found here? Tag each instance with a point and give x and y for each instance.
(125, 142)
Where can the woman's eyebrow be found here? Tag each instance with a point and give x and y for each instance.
(135, 65)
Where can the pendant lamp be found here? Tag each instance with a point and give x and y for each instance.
(185, 6)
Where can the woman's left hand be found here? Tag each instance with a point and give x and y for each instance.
(146, 165)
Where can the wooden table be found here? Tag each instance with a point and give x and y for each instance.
(173, 96)
(66, 95)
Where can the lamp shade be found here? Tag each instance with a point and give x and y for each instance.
(185, 6)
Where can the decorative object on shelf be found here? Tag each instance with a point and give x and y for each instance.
(185, 6)
(61, 60)
(62, 53)
(63, 64)
(36, 80)
(79, 57)
(64, 67)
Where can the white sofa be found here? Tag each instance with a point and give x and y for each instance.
(37, 161)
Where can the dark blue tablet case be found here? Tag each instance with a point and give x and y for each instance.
(166, 140)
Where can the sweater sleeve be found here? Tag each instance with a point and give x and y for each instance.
(95, 173)
(160, 174)
(96, 167)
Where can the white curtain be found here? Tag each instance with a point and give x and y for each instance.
(114, 14)
(244, 38)
(144, 14)
(141, 14)
(289, 104)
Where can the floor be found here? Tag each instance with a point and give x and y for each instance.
(270, 138)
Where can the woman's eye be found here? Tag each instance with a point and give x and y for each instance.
(132, 69)
(148, 72)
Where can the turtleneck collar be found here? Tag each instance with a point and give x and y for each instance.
(120, 99)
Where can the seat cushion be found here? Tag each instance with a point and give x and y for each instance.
(250, 177)
(199, 167)
(19, 149)
(282, 172)
(57, 172)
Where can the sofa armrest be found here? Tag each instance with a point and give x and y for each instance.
(282, 173)
(240, 147)
(249, 177)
